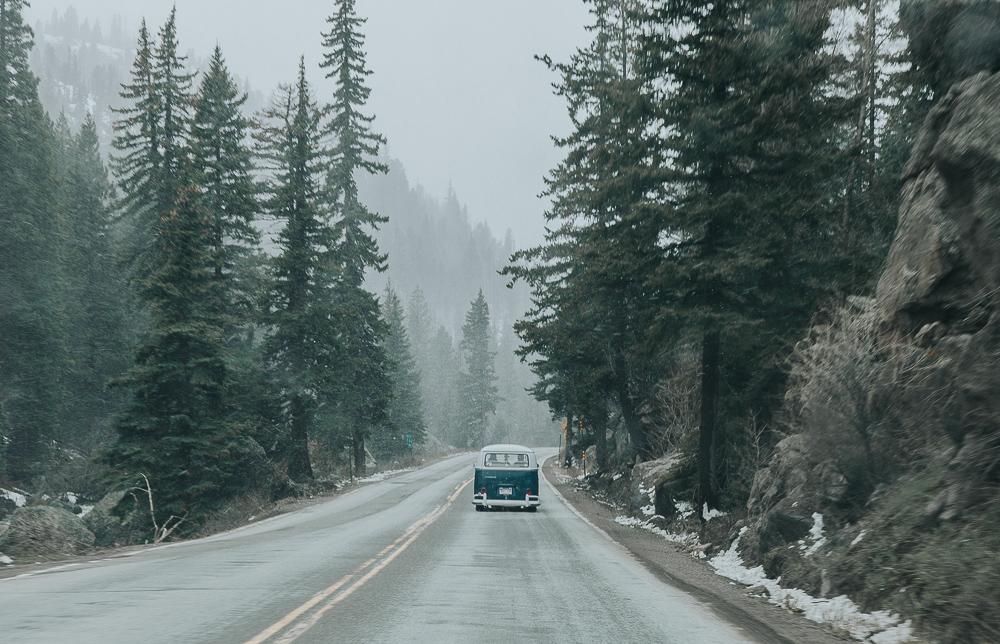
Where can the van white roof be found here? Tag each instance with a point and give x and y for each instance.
(506, 447)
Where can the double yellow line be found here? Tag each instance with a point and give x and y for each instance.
(293, 625)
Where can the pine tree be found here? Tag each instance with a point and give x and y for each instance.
(478, 377)
(405, 412)
(441, 380)
(175, 431)
(94, 298)
(223, 160)
(301, 349)
(137, 139)
(31, 342)
(355, 151)
(172, 89)
(752, 147)
(419, 328)
(151, 137)
(590, 308)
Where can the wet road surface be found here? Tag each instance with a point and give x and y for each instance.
(402, 560)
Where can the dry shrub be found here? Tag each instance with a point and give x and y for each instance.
(857, 395)
(674, 414)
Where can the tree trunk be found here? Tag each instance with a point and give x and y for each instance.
(358, 442)
(637, 437)
(866, 112)
(568, 454)
(600, 424)
(709, 417)
(299, 466)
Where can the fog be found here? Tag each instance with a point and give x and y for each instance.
(456, 88)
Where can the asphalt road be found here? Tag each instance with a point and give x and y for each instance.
(402, 560)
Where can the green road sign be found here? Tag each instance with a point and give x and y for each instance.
(409, 440)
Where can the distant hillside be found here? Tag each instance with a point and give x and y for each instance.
(81, 66)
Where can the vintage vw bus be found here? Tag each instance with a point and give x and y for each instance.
(506, 477)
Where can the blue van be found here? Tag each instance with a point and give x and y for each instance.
(506, 477)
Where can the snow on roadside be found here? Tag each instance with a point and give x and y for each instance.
(19, 499)
(684, 508)
(6, 561)
(879, 627)
(816, 534)
(381, 476)
(709, 514)
(682, 538)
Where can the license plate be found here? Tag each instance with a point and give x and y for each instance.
(506, 491)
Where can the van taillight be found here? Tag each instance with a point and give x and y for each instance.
(529, 491)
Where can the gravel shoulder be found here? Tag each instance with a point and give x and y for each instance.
(681, 570)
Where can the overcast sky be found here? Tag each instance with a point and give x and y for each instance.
(456, 88)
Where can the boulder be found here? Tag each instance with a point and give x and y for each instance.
(108, 527)
(657, 483)
(7, 507)
(42, 531)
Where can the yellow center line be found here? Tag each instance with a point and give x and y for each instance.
(333, 595)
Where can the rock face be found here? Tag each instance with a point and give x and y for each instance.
(952, 39)
(44, 531)
(944, 264)
(941, 282)
(939, 297)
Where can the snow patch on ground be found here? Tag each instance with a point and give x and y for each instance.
(19, 499)
(857, 539)
(648, 510)
(6, 561)
(381, 476)
(684, 508)
(816, 535)
(682, 538)
(708, 514)
(879, 627)
(85, 510)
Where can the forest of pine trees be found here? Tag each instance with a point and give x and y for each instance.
(732, 173)
(193, 316)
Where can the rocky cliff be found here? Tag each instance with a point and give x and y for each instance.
(895, 404)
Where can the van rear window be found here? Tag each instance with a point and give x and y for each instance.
(506, 459)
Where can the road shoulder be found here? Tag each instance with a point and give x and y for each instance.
(681, 570)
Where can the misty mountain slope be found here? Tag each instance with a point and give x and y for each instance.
(433, 245)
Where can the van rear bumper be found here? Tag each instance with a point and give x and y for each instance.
(528, 501)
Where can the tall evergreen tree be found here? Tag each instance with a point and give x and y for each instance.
(151, 137)
(223, 160)
(406, 411)
(95, 303)
(478, 377)
(301, 350)
(355, 151)
(590, 311)
(419, 327)
(31, 347)
(751, 142)
(175, 431)
(441, 380)
(137, 143)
